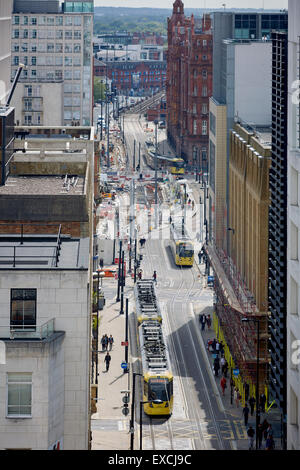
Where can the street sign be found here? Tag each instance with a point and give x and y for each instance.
(236, 372)
(124, 343)
(124, 365)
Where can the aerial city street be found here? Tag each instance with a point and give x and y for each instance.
(149, 233)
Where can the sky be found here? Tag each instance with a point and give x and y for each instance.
(267, 4)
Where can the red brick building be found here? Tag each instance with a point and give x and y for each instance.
(131, 75)
(189, 84)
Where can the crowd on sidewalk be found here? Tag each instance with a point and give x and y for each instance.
(220, 364)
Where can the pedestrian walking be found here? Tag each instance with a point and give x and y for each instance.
(252, 404)
(103, 343)
(154, 277)
(106, 341)
(265, 426)
(107, 360)
(270, 444)
(217, 347)
(216, 366)
(246, 414)
(270, 430)
(223, 384)
(213, 345)
(221, 348)
(208, 321)
(250, 434)
(200, 257)
(110, 342)
(236, 394)
(203, 322)
(260, 434)
(225, 368)
(140, 273)
(246, 392)
(262, 402)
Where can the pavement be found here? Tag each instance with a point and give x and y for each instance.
(110, 428)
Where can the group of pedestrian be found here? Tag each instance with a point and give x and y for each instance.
(107, 342)
(205, 320)
(265, 432)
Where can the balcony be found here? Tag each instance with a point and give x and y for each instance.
(28, 333)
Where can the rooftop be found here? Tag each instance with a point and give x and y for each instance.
(43, 185)
(57, 251)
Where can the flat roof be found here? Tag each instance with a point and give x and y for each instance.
(43, 185)
(40, 252)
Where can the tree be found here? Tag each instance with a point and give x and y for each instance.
(99, 89)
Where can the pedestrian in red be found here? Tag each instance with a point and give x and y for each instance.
(223, 385)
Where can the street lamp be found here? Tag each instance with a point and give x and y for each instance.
(155, 402)
(256, 320)
(134, 374)
(156, 123)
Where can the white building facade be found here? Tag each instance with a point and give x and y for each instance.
(293, 224)
(5, 48)
(56, 86)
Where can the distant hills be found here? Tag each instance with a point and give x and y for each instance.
(159, 12)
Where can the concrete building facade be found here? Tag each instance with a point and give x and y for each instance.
(46, 246)
(55, 45)
(246, 79)
(5, 48)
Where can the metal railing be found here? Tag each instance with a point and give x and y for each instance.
(28, 332)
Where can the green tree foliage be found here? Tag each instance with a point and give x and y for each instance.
(99, 89)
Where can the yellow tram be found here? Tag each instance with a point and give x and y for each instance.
(176, 165)
(157, 376)
(147, 306)
(181, 245)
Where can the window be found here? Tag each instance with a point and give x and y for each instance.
(194, 108)
(77, 34)
(59, 34)
(212, 122)
(68, 21)
(68, 35)
(293, 408)
(204, 74)
(25, 20)
(33, 21)
(16, 47)
(204, 127)
(33, 60)
(59, 21)
(28, 90)
(19, 394)
(195, 127)
(50, 47)
(16, 20)
(24, 47)
(34, 34)
(294, 187)
(204, 42)
(16, 34)
(204, 108)
(25, 33)
(294, 242)
(204, 91)
(23, 308)
(293, 296)
(16, 60)
(28, 104)
(77, 47)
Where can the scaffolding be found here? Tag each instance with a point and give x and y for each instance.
(233, 303)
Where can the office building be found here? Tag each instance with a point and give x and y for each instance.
(46, 233)
(5, 48)
(189, 85)
(55, 44)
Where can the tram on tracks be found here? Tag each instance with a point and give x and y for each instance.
(147, 306)
(181, 245)
(176, 165)
(157, 375)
